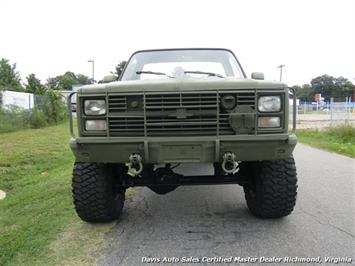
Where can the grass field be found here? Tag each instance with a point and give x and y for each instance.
(38, 225)
(340, 139)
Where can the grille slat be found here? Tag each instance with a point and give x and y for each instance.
(126, 126)
(181, 124)
(246, 99)
(176, 127)
(183, 103)
(180, 106)
(117, 103)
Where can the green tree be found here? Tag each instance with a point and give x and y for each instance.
(34, 85)
(119, 68)
(298, 90)
(9, 76)
(304, 93)
(53, 107)
(325, 85)
(67, 80)
(82, 79)
(330, 86)
(344, 87)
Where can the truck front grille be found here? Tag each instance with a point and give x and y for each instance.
(173, 114)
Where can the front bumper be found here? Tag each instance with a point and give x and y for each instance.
(186, 150)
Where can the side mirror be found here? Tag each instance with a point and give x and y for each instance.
(257, 75)
(109, 78)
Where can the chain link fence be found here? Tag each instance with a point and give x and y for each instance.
(326, 115)
(20, 110)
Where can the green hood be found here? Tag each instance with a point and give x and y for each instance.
(183, 84)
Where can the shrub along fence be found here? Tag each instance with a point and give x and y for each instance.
(39, 111)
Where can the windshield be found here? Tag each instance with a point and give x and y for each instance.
(192, 63)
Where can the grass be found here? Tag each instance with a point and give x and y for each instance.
(340, 139)
(38, 225)
(13, 120)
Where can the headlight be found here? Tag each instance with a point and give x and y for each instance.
(94, 107)
(272, 121)
(269, 104)
(95, 125)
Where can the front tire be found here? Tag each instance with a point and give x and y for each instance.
(96, 194)
(272, 188)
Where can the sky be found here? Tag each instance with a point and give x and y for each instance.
(309, 37)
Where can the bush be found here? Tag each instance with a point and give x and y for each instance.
(49, 109)
(37, 119)
(53, 107)
(13, 118)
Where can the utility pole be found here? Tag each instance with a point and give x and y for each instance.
(353, 98)
(281, 67)
(93, 69)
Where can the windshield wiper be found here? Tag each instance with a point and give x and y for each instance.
(153, 73)
(210, 74)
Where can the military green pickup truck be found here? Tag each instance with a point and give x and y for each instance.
(181, 106)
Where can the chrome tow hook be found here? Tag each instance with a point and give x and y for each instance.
(229, 164)
(135, 166)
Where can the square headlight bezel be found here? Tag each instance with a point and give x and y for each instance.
(270, 95)
(94, 99)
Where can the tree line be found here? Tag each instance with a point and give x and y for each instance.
(328, 86)
(10, 79)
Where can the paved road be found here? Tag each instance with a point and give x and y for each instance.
(213, 221)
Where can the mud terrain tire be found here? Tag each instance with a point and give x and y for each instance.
(272, 190)
(96, 196)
